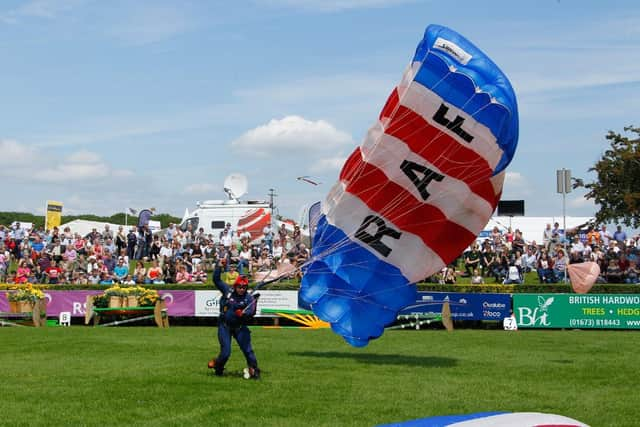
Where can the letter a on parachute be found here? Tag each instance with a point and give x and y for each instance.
(417, 191)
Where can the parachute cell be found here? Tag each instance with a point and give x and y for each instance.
(417, 191)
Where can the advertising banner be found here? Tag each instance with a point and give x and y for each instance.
(53, 215)
(597, 311)
(464, 306)
(179, 303)
(206, 302)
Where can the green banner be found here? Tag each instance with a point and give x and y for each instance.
(601, 311)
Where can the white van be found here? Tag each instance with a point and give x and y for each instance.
(213, 215)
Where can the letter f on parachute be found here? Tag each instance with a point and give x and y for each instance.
(417, 191)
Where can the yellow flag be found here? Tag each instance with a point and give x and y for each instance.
(53, 216)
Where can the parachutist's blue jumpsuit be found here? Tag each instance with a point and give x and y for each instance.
(229, 324)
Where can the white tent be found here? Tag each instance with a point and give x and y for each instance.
(84, 227)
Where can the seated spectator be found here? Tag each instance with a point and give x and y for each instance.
(513, 276)
(94, 277)
(264, 261)
(230, 276)
(545, 268)
(614, 273)
(199, 275)
(154, 274)
(105, 278)
(4, 266)
(120, 271)
(529, 260)
(476, 278)
(128, 280)
(169, 271)
(53, 273)
(449, 276)
(632, 273)
(23, 272)
(278, 251)
(140, 272)
(472, 260)
(182, 276)
(560, 265)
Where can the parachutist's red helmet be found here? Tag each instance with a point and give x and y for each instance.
(241, 281)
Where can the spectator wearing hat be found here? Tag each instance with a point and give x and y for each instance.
(237, 308)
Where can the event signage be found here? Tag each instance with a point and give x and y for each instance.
(596, 311)
(179, 302)
(464, 306)
(207, 302)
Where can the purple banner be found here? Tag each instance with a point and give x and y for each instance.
(179, 303)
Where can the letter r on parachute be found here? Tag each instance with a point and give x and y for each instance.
(375, 240)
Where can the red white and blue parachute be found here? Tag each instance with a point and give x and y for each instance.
(417, 191)
(493, 419)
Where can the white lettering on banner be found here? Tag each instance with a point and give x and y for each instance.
(608, 299)
(529, 317)
(78, 308)
(207, 302)
(486, 304)
(584, 299)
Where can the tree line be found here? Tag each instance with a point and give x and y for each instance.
(7, 218)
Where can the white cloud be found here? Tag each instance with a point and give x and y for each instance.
(328, 164)
(46, 9)
(80, 166)
(292, 133)
(15, 154)
(146, 25)
(201, 188)
(516, 186)
(318, 88)
(580, 203)
(73, 172)
(84, 156)
(334, 5)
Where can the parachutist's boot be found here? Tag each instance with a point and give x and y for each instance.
(251, 373)
(212, 365)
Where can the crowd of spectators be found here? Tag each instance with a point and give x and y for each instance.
(138, 256)
(182, 256)
(505, 257)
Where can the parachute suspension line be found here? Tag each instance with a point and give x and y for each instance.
(398, 200)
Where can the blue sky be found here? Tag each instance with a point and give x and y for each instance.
(118, 104)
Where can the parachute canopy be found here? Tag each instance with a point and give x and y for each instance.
(583, 276)
(417, 191)
(494, 419)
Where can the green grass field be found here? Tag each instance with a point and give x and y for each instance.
(149, 376)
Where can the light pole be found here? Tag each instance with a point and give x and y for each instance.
(563, 178)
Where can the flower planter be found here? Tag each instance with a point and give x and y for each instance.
(25, 306)
(115, 302)
(13, 306)
(132, 301)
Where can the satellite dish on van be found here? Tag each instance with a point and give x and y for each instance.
(235, 185)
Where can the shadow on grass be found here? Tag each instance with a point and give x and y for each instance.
(383, 359)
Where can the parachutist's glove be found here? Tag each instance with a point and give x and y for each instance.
(239, 313)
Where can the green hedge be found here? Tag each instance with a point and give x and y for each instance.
(291, 285)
